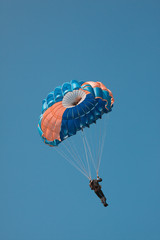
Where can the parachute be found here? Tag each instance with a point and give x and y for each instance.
(67, 112)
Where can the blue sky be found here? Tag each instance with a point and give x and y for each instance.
(43, 44)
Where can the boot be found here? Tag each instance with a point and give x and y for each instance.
(105, 204)
(103, 200)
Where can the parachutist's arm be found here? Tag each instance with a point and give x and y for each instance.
(99, 179)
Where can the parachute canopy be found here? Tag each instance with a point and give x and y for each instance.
(72, 107)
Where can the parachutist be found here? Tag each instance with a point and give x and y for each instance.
(94, 185)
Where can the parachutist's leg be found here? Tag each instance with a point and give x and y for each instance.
(103, 198)
(101, 193)
(98, 194)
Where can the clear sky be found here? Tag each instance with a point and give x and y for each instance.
(43, 44)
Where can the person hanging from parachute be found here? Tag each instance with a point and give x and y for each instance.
(69, 109)
(94, 185)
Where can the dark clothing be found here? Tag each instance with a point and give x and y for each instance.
(99, 193)
(94, 185)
